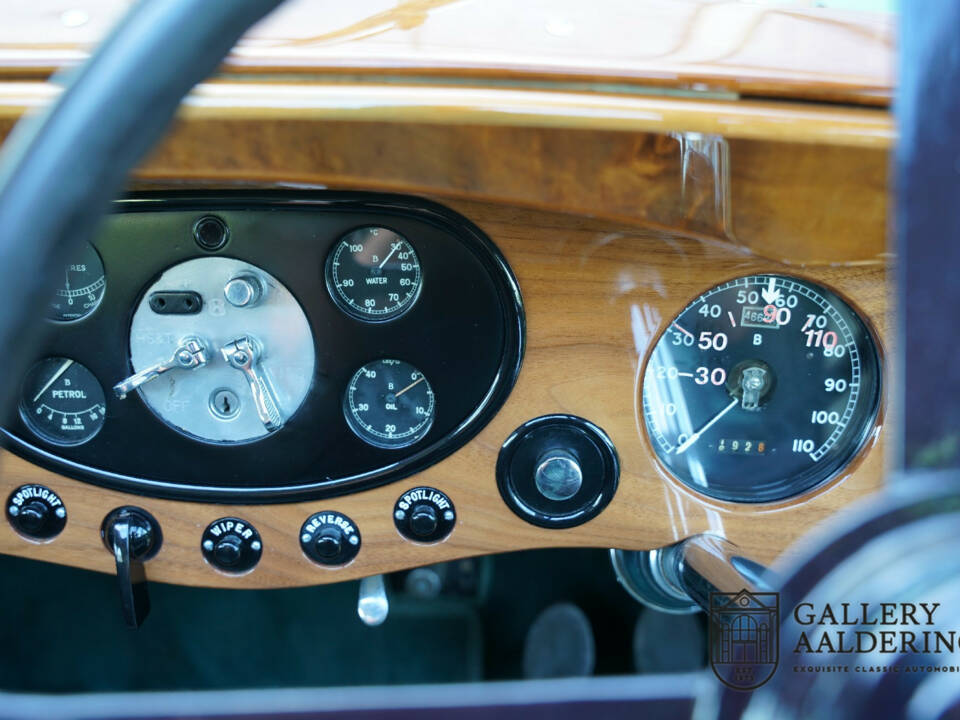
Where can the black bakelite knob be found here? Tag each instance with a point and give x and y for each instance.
(228, 550)
(329, 542)
(330, 538)
(33, 516)
(232, 545)
(36, 512)
(423, 520)
(424, 515)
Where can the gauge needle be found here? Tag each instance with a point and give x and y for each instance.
(418, 380)
(52, 380)
(389, 255)
(696, 436)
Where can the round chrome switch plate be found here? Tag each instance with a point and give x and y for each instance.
(216, 402)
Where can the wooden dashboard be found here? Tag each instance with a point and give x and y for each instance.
(614, 209)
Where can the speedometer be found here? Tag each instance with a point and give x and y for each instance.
(761, 389)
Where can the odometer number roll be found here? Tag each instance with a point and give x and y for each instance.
(761, 389)
(373, 274)
(389, 404)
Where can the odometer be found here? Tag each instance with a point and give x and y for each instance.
(373, 274)
(762, 388)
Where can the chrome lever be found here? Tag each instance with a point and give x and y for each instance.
(373, 606)
(189, 355)
(244, 354)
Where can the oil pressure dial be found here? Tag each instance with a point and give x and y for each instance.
(762, 388)
(389, 404)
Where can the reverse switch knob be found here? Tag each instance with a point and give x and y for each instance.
(329, 543)
(330, 538)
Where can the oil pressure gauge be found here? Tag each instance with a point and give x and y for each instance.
(389, 404)
(761, 389)
(62, 402)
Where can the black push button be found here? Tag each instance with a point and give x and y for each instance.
(424, 514)
(231, 545)
(330, 538)
(36, 512)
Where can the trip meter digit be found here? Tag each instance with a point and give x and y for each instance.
(762, 388)
(373, 274)
(62, 402)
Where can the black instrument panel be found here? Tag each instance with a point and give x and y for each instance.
(461, 328)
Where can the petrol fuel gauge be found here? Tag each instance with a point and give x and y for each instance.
(62, 402)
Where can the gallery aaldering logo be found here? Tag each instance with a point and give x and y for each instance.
(744, 640)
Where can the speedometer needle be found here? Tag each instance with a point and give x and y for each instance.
(696, 436)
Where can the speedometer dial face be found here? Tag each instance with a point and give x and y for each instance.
(762, 388)
(389, 404)
(374, 274)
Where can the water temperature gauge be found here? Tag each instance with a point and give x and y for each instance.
(373, 274)
(62, 402)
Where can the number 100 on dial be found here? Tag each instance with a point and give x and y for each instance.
(762, 388)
